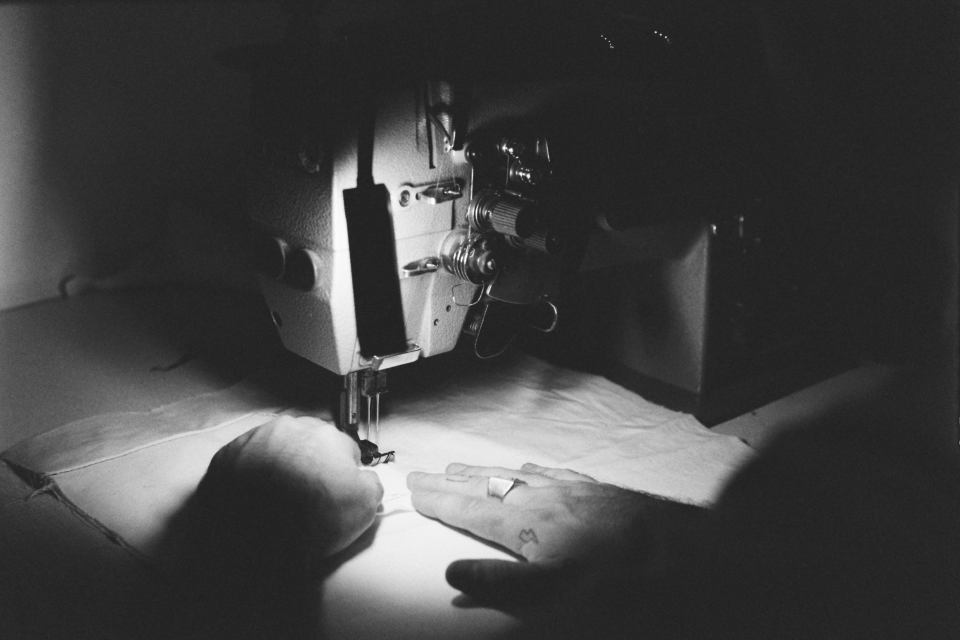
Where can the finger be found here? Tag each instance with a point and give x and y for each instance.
(461, 485)
(484, 517)
(505, 583)
(474, 486)
(354, 513)
(457, 468)
(337, 441)
(371, 481)
(306, 438)
(555, 474)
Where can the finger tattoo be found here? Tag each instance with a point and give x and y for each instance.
(527, 536)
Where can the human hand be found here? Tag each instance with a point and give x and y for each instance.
(292, 491)
(274, 505)
(587, 543)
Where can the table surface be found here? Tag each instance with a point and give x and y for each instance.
(64, 360)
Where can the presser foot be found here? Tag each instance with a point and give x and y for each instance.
(371, 456)
(370, 385)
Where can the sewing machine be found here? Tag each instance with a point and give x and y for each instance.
(671, 271)
(409, 190)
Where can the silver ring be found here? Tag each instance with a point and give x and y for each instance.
(498, 487)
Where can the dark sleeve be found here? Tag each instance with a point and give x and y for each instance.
(831, 532)
(850, 528)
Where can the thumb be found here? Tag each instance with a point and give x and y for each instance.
(509, 585)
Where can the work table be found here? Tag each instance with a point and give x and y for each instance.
(64, 360)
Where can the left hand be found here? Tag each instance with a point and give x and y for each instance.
(289, 494)
(269, 519)
(582, 538)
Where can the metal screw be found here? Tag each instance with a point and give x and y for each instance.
(404, 198)
(511, 148)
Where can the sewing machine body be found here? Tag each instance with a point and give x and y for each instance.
(645, 270)
(320, 323)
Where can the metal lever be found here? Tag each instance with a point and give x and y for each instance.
(348, 403)
(421, 266)
(372, 384)
(440, 193)
(369, 384)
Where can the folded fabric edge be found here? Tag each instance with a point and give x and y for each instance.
(44, 484)
(42, 454)
(164, 440)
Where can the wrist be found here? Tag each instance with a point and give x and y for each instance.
(668, 566)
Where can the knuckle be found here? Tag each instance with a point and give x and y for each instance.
(478, 486)
(282, 423)
(473, 508)
(422, 503)
(374, 486)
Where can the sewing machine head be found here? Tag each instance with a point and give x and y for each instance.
(444, 228)
(408, 190)
(414, 183)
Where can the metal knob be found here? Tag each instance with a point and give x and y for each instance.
(546, 241)
(503, 213)
(269, 255)
(303, 269)
(528, 175)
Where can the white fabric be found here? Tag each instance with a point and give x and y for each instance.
(529, 411)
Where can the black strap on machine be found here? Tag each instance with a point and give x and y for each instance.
(373, 262)
(461, 113)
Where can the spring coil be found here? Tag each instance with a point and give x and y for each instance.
(459, 261)
(473, 260)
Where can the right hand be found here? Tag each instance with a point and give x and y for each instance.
(586, 542)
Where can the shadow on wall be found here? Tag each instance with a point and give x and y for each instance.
(109, 113)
